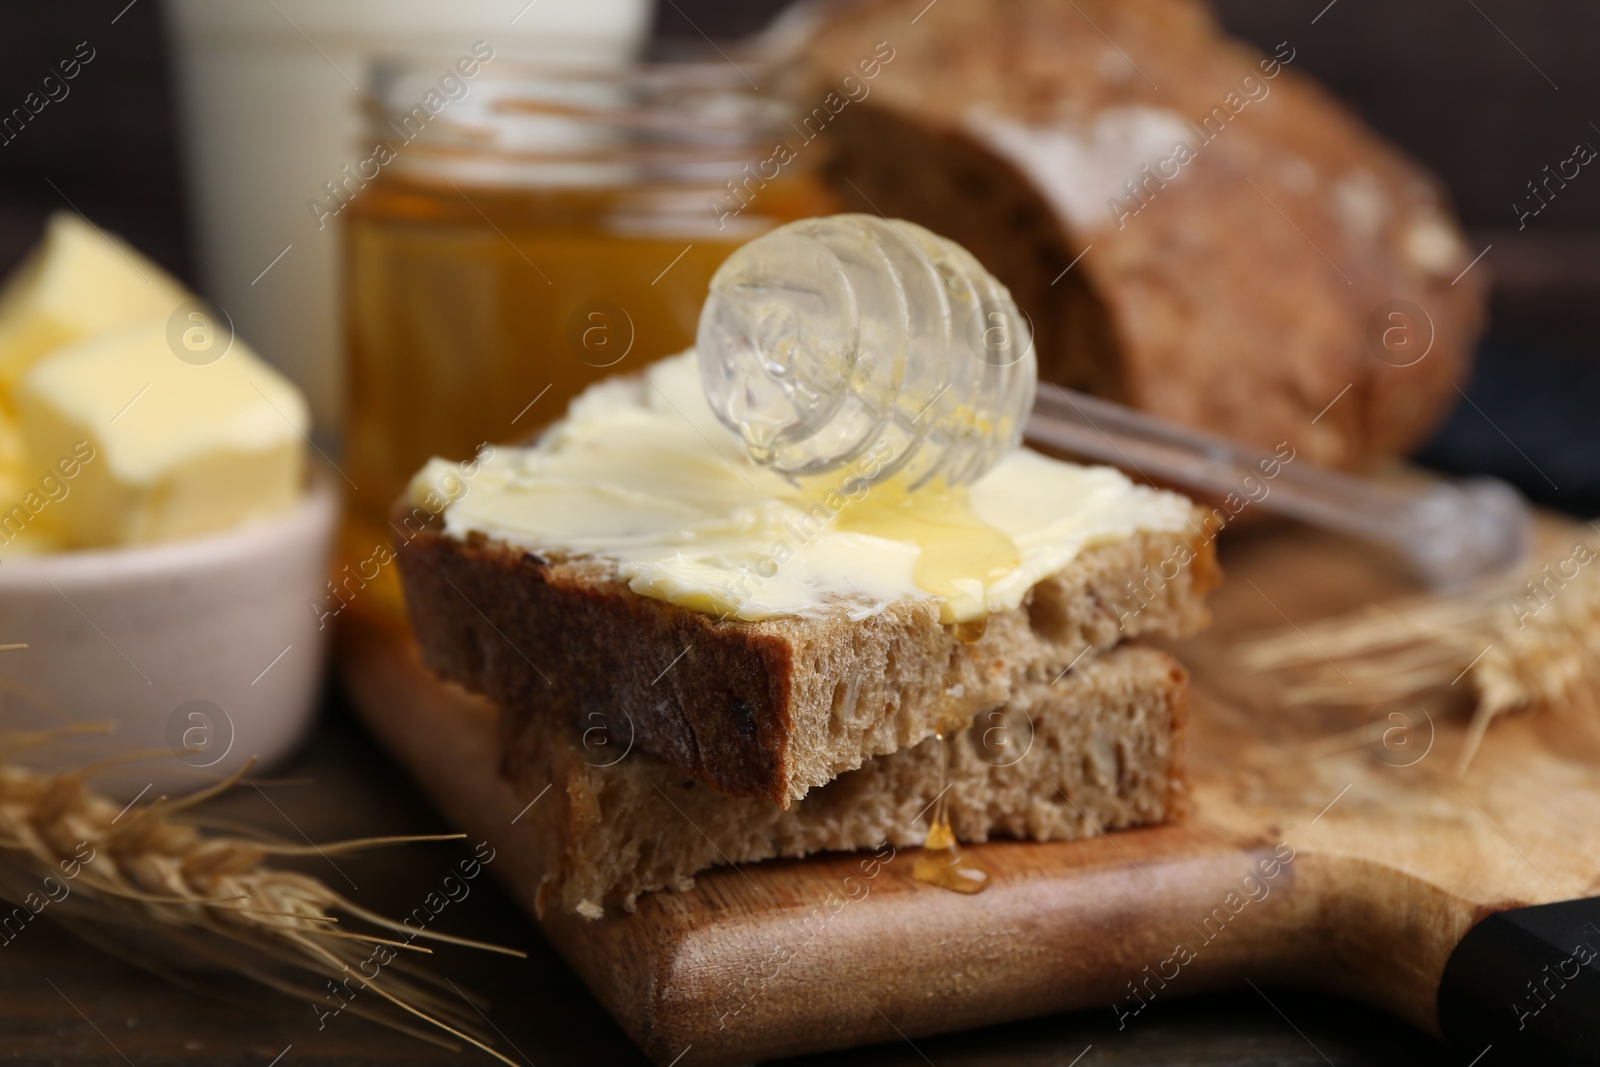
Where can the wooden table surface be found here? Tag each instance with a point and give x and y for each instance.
(62, 1002)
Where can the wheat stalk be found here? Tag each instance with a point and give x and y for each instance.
(1523, 644)
(208, 897)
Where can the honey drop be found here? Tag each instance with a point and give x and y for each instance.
(942, 862)
(970, 632)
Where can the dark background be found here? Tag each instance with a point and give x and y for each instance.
(1484, 92)
(1463, 94)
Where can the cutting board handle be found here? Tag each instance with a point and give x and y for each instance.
(1523, 986)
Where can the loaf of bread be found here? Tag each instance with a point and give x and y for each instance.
(768, 709)
(1097, 750)
(1195, 228)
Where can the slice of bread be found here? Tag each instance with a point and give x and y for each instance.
(768, 709)
(1095, 751)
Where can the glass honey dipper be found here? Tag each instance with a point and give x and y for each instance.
(830, 335)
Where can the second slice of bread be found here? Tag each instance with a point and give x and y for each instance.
(1095, 751)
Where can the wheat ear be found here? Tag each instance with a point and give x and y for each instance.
(210, 896)
(1523, 644)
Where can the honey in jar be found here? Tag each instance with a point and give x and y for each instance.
(548, 229)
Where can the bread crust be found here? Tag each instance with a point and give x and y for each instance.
(766, 709)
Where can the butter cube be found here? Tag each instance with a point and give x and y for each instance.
(167, 448)
(77, 283)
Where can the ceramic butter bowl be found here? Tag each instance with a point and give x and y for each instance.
(200, 653)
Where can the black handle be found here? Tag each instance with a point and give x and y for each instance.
(1524, 987)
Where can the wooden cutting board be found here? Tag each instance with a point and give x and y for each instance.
(1380, 859)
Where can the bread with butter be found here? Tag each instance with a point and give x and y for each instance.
(627, 575)
(772, 708)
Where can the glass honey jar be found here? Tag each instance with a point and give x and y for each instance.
(519, 232)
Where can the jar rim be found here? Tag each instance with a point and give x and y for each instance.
(534, 121)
